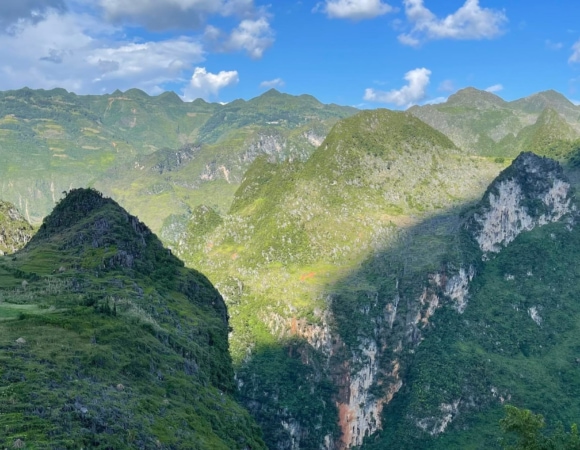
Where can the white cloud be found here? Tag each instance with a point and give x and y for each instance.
(575, 56)
(172, 14)
(253, 36)
(494, 88)
(161, 59)
(413, 92)
(81, 54)
(353, 9)
(447, 86)
(553, 45)
(204, 84)
(50, 46)
(275, 83)
(469, 22)
(435, 101)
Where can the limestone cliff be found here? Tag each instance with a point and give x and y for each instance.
(531, 192)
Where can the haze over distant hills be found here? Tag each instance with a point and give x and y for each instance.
(119, 143)
(392, 279)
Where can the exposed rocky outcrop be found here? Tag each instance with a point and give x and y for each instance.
(15, 231)
(171, 160)
(532, 192)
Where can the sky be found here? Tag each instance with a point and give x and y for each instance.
(363, 53)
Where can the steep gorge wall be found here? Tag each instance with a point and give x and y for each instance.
(367, 339)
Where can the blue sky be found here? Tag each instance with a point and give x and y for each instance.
(366, 53)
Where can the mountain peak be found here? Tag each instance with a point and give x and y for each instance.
(125, 316)
(474, 97)
(551, 118)
(136, 93)
(169, 97)
(84, 220)
(272, 92)
(74, 207)
(538, 102)
(553, 95)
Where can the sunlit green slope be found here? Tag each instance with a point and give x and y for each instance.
(483, 123)
(292, 245)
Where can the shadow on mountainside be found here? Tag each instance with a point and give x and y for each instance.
(305, 381)
(424, 342)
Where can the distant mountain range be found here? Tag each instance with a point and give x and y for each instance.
(51, 141)
(485, 124)
(392, 279)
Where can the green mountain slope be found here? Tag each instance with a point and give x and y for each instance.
(278, 126)
(15, 231)
(536, 103)
(51, 141)
(484, 124)
(283, 255)
(382, 292)
(550, 136)
(108, 341)
(514, 340)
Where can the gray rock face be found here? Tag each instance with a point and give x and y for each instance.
(15, 231)
(532, 192)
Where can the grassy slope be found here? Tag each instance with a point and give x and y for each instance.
(277, 125)
(121, 345)
(296, 231)
(53, 140)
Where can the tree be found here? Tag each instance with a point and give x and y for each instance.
(525, 428)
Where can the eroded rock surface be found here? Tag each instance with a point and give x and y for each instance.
(532, 192)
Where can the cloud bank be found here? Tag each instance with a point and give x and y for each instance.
(173, 14)
(12, 11)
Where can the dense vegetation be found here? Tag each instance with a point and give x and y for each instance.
(524, 429)
(313, 253)
(107, 341)
(363, 312)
